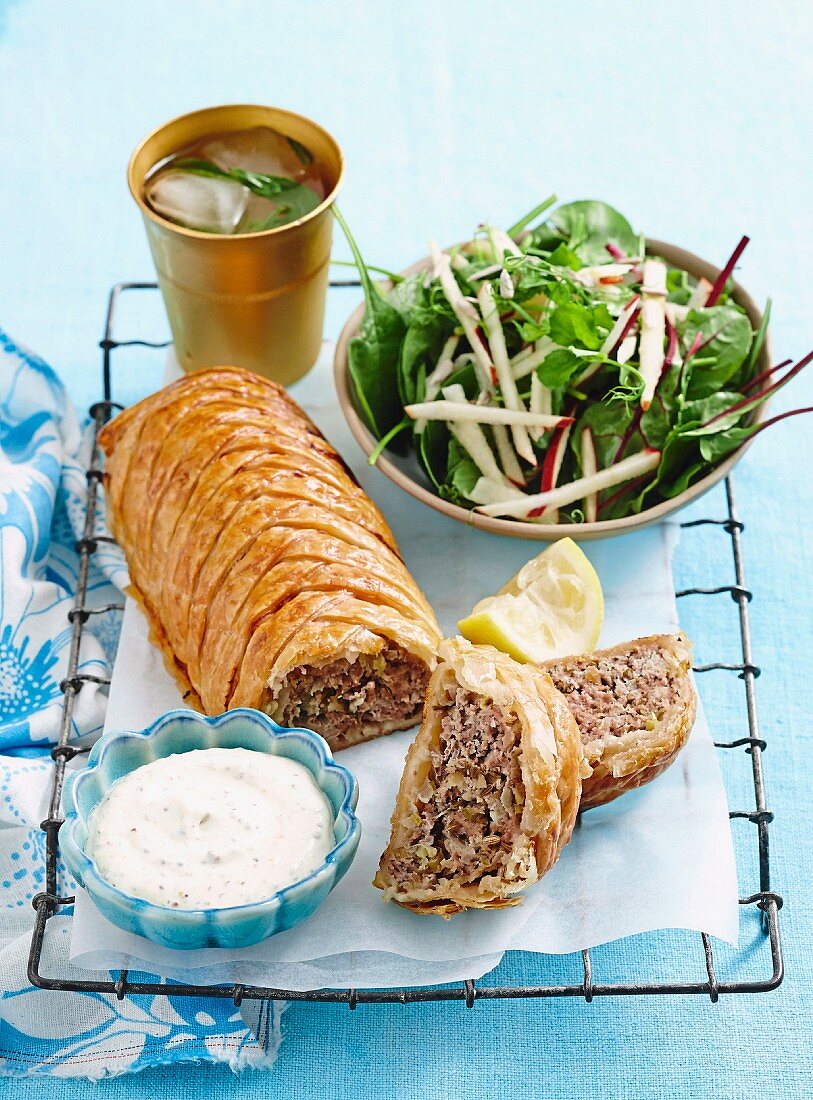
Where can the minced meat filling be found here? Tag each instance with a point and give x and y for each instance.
(616, 694)
(383, 689)
(470, 807)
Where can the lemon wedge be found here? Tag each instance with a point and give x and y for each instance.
(553, 607)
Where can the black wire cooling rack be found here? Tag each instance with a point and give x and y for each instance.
(767, 954)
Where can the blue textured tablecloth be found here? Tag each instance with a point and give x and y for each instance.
(695, 120)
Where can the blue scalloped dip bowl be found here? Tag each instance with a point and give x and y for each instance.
(182, 731)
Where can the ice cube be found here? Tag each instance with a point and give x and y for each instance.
(198, 202)
(265, 150)
(258, 211)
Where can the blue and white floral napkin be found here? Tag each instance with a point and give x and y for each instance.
(42, 498)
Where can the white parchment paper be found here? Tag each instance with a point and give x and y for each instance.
(657, 858)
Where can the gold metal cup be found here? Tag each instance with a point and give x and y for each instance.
(254, 300)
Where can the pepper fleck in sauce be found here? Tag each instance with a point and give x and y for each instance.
(211, 828)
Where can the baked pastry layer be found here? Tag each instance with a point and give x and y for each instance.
(269, 578)
(635, 706)
(490, 788)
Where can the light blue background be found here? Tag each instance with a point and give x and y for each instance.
(694, 119)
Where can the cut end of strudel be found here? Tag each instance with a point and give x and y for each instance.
(352, 698)
(635, 706)
(490, 789)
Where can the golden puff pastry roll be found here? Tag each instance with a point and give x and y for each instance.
(269, 578)
(635, 706)
(490, 789)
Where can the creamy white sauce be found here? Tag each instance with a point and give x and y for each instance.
(211, 828)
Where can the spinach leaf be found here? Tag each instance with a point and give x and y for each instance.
(420, 349)
(373, 355)
(465, 376)
(608, 424)
(588, 225)
(558, 368)
(680, 463)
(433, 447)
(704, 408)
(693, 444)
(686, 455)
(620, 502)
(702, 436)
(750, 366)
(665, 410)
(728, 332)
(722, 414)
(461, 475)
(714, 448)
(700, 412)
(409, 295)
(420, 382)
(688, 471)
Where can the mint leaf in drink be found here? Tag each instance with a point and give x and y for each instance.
(304, 154)
(295, 200)
(266, 187)
(295, 204)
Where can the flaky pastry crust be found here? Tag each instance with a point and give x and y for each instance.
(551, 761)
(250, 545)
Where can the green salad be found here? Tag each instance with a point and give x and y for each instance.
(556, 371)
